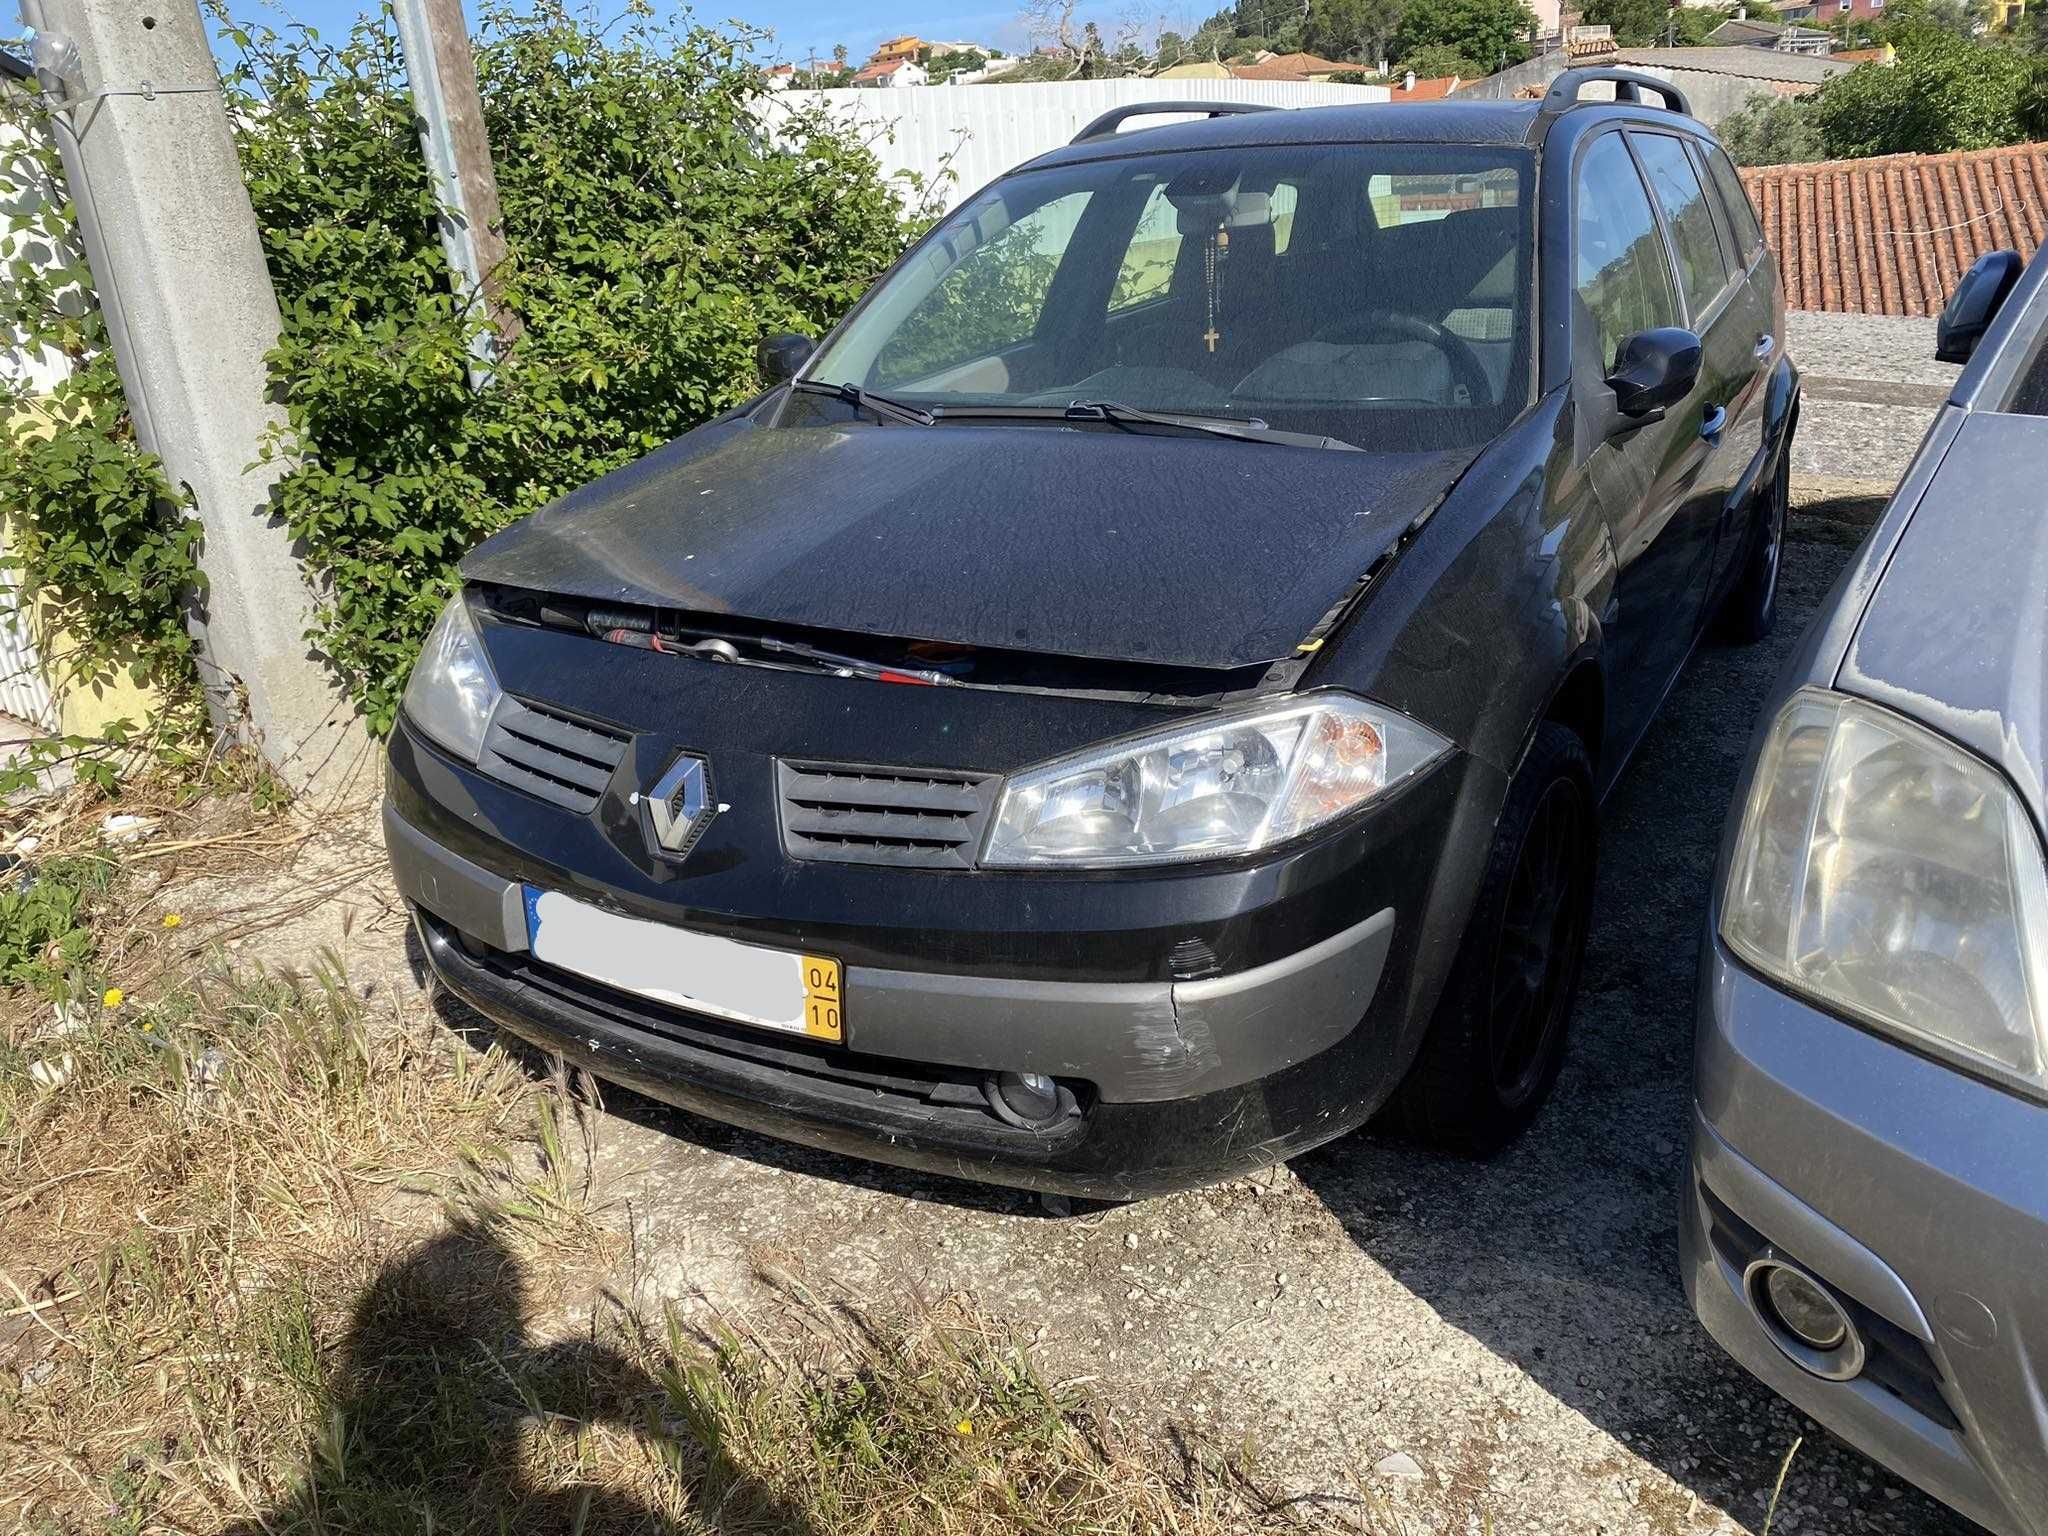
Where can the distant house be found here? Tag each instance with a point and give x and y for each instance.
(1718, 80)
(1886, 55)
(905, 47)
(1297, 67)
(780, 76)
(1195, 69)
(1746, 32)
(1821, 13)
(892, 74)
(1408, 88)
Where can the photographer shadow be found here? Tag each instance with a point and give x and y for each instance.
(431, 1398)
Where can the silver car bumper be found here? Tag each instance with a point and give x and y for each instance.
(1919, 1196)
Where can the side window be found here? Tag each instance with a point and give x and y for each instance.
(1148, 263)
(1749, 239)
(990, 299)
(1702, 270)
(1620, 271)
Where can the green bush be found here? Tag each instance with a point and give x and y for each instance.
(44, 932)
(656, 232)
(1771, 130)
(94, 533)
(1944, 93)
(655, 235)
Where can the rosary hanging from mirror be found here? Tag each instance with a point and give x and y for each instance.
(1211, 251)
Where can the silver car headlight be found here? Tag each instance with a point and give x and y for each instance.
(452, 691)
(1892, 876)
(1207, 788)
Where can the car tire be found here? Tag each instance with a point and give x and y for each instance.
(1498, 1039)
(1751, 606)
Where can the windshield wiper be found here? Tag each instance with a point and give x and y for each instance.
(1244, 429)
(880, 407)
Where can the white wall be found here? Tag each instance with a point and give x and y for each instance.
(988, 129)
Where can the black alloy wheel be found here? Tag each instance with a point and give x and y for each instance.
(1498, 1040)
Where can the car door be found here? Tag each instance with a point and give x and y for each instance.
(1754, 317)
(1624, 281)
(1718, 310)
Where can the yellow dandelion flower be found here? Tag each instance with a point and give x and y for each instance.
(965, 1426)
(172, 920)
(114, 997)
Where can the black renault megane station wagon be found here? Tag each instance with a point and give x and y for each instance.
(1131, 702)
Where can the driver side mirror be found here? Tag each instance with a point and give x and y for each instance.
(780, 356)
(1975, 304)
(1656, 370)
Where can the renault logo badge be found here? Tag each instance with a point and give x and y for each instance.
(679, 805)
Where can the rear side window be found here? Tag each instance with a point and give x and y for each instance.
(1620, 272)
(1702, 270)
(1749, 239)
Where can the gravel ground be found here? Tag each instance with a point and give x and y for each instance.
(1454, 1343)
(1463, 1346)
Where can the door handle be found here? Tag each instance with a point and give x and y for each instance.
(1712, 423)
(1766, 344)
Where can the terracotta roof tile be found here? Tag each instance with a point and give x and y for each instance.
(1890, 235)
(1426, 90)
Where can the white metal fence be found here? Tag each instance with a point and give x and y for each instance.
(981, 131)
(24, 691)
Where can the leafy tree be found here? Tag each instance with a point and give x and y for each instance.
(1906, 23)
(1943, 93)
(1771, 130)
(1691, 25)
(1170, 49)
(1492, 33)
(1353, 29)
(1437, 61)
(1636, 23)
(654, 234)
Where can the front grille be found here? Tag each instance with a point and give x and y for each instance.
(916, 817)
(562, 761)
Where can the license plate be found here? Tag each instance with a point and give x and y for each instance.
(768, 988)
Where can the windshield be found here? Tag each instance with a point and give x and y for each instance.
(1375, 293)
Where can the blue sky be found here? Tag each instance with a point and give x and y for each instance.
(799, 25)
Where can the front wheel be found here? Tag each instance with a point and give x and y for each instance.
(1498, 1039)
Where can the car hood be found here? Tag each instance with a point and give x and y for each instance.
(1131, 546)
(1955, 634)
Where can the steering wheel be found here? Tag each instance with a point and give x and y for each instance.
(1379, 324)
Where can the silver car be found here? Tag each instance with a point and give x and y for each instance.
(1866, 1223)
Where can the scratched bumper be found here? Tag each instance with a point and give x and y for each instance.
(1175, 1083)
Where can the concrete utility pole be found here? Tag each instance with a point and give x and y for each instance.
(451, 120)
(178, 265)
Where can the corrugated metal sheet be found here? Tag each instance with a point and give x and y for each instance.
(1890, 235)
(981, 131)
(24, 692)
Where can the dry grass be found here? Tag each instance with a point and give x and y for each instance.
(277, 1257)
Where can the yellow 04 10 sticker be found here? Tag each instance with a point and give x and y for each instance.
(824, 1008)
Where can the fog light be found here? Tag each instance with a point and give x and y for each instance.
(1027, 1099)
(1808, 1312)
(1804, 1319)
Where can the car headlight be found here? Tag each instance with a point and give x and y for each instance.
(1890, 875)
(452, 690)
(1208, 788)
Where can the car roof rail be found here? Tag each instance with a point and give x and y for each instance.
(1106, 125)
(1628, 87)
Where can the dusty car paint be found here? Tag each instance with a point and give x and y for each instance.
(1908, 1186)
(1562, 572)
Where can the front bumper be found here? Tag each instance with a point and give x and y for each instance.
(1916, 1194)
(1177, 1082)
